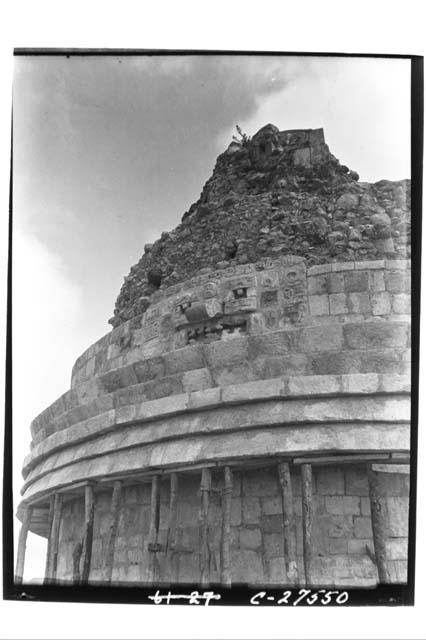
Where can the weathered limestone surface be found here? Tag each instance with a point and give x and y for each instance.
(321, 338)
(270, 330)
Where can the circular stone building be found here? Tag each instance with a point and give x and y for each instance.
(247, 419)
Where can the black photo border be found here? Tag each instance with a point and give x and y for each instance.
(389, 594)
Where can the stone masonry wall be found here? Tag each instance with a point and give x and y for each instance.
(356, 320)
(341, 529)
(335, 293)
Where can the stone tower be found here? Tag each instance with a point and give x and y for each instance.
(247, 418)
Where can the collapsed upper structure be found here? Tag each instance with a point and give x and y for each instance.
(277, 193)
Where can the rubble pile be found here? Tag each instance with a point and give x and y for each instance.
(280, 192)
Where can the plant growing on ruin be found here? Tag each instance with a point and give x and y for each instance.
(242, 137)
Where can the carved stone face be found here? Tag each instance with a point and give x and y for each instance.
(210, 290)
(270, 280)
(293, 273)
(181, 305)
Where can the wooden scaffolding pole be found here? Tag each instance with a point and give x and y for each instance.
(112, 534)
(22, 544)
(226, 577)
(49, 537)
(206, 481)
(76, 558)
(89, 514)
(53, 545)
(153, 526)
(307, 517)
(171, 529)
(378, 524)
(290, 552)
(171, 542)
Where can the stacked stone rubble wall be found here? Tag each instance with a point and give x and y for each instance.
(280, 193)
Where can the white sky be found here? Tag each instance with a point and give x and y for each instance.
(326, 26)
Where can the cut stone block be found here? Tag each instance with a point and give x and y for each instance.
(401, 303)
(338, 303)
(360, 383)
(317, 285)
(380, 303)
(397, 508)
(335, 283)
(321, 338)
(342, 505)
(378, 334)
(356, 482)
(398, 281)
(250, 538)
(362, 527)
(340, 526)
(197, 380)
(359, 302)
(330, 481)
(356, 281)
(377, 281)
(319, 305)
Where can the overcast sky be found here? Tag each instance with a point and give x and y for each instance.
(109, 152)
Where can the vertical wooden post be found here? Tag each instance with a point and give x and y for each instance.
(153, 526)
(204, 528)
(54, 539)
(378, 524)
(49, 537)
(171, 542)
(22, 544)
(171, 529)
(112, 534)
(226, 577)
(290, 553)
(76, 557)
(307, 515)
(155, 509)
(89, 513)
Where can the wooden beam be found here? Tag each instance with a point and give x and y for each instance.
(112, 534)
(307, 517)
(89, 514)
(49, 537)
(342, 459)
(54, 539)
(400, 468)
(155, 509)
(22, 544)
(206, 482)
(171, 542)
(290, 553)
(76, 557)
(404, 457)
(146, 476)
(226, 577)
(171, 528)
(378, 524)
(153, 526)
